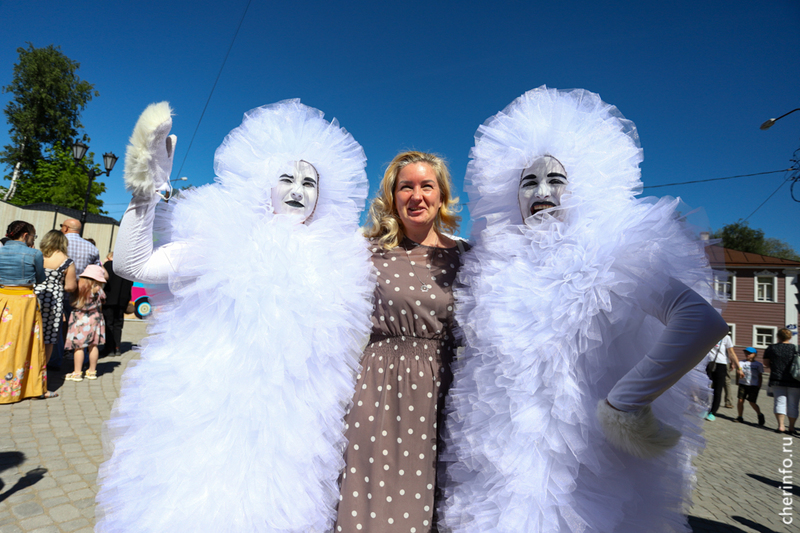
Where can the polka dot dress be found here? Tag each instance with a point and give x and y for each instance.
(51, 300)
(390, 477)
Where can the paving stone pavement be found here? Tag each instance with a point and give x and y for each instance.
(51, 451)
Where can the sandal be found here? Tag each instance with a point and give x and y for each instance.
(74, 376)
(47, 395)
(91, 374)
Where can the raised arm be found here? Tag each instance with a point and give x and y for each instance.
(148, 163)
(693, 327)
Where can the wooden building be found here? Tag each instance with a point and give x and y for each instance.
(761, 293)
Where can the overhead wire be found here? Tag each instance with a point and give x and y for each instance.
(717, 179)
(225, 60)
(784, 182)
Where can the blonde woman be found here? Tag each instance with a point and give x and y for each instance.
(389, 480)
(59, 278)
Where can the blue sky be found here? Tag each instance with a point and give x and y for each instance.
(697, 78)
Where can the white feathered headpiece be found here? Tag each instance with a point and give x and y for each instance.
(271, 138)
(598, 147)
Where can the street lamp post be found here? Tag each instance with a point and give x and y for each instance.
(768, 124)
(795, 177)
(79, 149)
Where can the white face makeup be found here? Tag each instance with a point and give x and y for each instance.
(296, 194)
(541, 186)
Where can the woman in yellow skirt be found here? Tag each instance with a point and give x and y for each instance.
(22, 368)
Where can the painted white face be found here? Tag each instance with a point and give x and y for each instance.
(541, 186)
(296, 194)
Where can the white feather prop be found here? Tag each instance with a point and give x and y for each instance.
(144, 149)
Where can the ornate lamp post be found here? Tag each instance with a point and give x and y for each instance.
(79, 150)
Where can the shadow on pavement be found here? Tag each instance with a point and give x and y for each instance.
(124, 346)
(55, 379)
(745, 423)
(31, 478)
(753, 525)
(793, 489)
(106, 367)
(9, 459)
(703, 525)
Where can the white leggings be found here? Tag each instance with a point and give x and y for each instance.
(786, 400)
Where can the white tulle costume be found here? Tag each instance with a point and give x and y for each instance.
(232, 419)
(563, 313)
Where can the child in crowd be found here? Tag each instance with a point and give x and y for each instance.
(750, 373)
(86, 326)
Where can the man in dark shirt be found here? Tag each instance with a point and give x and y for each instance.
(118, 295)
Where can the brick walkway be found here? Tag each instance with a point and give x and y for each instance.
(51, 449)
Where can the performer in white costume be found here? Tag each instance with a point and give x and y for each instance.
(583, 309)
(232, 420)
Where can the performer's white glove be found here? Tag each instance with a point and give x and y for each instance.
(693, 327)
(638, 433)
(148, 164)
(148, 160)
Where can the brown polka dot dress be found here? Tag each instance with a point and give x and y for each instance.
(389, 480)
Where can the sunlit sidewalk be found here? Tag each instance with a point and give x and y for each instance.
(50, 451)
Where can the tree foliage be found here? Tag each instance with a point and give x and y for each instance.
(62, 181)
(740, 236)
(44, 112)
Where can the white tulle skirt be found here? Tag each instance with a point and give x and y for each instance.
(553, 318)
(232, 418)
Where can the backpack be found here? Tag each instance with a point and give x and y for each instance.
(795, 369)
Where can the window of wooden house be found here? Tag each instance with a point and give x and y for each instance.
(766, 289)
(725, 286)
(763, 336)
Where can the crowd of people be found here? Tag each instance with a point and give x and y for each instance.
(51, 301)
(783, 363)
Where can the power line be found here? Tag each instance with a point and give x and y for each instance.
(214, 86)
(717, 179)
(768, 197)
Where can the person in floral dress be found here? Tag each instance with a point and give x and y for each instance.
(87, 328)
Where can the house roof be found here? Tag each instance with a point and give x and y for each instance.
(725, 257)
(72, 213)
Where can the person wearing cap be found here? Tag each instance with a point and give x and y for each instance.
(750, 374)
(86, 328)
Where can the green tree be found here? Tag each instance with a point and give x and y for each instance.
(62, 181)
(740, 236)
(48, 98)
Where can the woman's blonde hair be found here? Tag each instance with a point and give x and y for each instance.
(52, 242)
(384, 223)
(87, 288)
